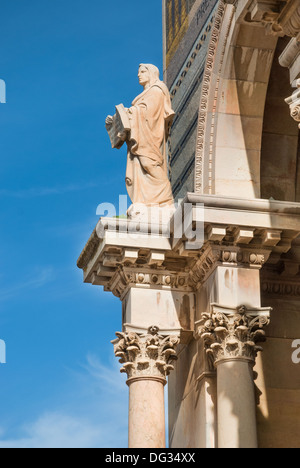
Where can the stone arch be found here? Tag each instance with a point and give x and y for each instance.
(231, 116)
(280, 152)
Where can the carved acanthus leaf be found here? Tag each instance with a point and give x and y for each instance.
(233, 333)
(146, 355)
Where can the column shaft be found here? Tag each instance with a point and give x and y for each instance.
(231, 337)
(146, 414)
(236, 405)
(147, 357)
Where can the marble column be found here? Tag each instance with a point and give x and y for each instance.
(231, 337)
(147, 360)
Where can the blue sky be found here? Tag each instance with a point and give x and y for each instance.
(66, 64)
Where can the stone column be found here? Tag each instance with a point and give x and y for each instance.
(147, 360)
(231, 337)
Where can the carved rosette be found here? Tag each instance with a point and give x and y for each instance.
(214, 255)
(233, 333)
(147, 355)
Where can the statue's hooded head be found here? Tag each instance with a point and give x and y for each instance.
(153, 72)
(148, 74)
(148, 77)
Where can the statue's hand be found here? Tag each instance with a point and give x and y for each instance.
(109, 120)
(123, 135)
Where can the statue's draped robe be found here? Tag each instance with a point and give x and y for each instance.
(151, 115)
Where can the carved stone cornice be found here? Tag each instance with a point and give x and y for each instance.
(88, 251)
(204, 262)
(290, 58)
(236, 232)
(213, 256)
(137, 276)
(280, 17)
(282, 278)
(232, 333)
(156, 278)
(255, 224)
(279, 287)
(289, 18)
(146, 355)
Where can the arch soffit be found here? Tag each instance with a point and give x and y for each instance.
(239, 62)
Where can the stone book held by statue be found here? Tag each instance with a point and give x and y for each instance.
(120, 125)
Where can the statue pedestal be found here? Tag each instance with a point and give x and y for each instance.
(153, 214)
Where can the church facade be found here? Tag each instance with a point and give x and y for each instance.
(211, 299)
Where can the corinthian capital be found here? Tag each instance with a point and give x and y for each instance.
(146, 355)
(233, 333)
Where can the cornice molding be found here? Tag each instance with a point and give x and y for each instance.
(279, 17)
(213, 256)
(118, 260)
(279, 287)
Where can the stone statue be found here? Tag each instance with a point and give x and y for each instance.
(149, 119)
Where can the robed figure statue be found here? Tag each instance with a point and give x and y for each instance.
(145, 127)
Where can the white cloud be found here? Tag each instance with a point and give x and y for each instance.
(57, 430)
(93, 413)
(39, 279)
(34, 192)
